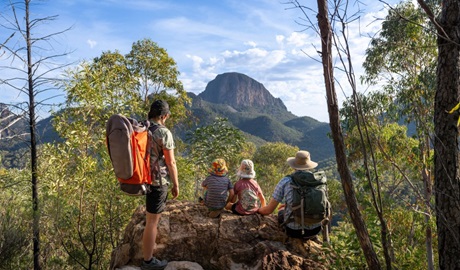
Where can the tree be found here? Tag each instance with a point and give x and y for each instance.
(328, 39)
(96, 89)
(447, 156)
(29, 52)
(157, 76)
(403, 55)
(270, 164)
(216, 140)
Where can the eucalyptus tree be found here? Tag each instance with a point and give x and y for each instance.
(157, 76)
(332, 31)
(215, 140)
(31, 66)
(94, 91)
(270, 164)
(402, 57)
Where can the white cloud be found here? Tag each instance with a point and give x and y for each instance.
(251, 43)
(280, 39)
(298, 39)
(91, 43)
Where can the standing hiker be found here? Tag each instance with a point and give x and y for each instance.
(163, 170)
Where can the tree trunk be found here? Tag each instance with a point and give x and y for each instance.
(446, 143)
(426, 175)
(33, 145)
(339, 146)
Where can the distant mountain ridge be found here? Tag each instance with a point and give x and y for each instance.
(247, 105)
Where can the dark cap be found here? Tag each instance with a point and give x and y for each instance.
(159, 107)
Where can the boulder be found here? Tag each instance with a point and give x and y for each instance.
(191, 239)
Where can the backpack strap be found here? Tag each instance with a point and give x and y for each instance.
(152, 130)
(290, 218)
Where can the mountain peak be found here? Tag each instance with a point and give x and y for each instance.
(239, 91)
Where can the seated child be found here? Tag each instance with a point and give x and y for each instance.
(218, 188)
(247, 191)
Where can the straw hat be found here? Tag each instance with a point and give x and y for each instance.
(301, 161)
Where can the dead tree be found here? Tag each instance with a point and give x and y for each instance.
(33, 78)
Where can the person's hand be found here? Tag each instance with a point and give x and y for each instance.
(228, 206)
(175, 191)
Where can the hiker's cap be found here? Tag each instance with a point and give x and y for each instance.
(301, 161)
(218, 167)
(246, 169)
(159, 107)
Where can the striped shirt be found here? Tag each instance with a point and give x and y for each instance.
(217, 191)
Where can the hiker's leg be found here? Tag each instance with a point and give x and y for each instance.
(234, 210)
(155, 205)
(150, 235)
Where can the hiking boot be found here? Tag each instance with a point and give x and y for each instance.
(214, 213)
(154, 264)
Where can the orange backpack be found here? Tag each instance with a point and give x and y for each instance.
(128, 143)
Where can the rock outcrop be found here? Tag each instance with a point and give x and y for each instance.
(186, 236)
(239, 90)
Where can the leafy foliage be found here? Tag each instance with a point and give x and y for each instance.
(270, 164)
(89, 212)
(408, 238)
(404, 57)
(217, 140)
(15, 220)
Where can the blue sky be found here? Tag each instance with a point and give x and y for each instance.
(259, 38)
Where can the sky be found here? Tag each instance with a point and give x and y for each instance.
(266, 40)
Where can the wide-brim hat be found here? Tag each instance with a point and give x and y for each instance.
(301, 161)
(246, 169)
(218, 167)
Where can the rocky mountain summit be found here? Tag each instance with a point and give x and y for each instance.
(239, 91)
(250, 107)
(188, 239)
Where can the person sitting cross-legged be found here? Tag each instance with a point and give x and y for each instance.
(248, 196)
(218, 189)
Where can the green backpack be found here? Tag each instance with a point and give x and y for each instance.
(310, 204)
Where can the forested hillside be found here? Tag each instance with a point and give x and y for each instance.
(393, 193)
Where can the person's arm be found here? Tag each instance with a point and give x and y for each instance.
(231, 194)
(268, 209)
(231, 200)
(262, 199)
(235, 198)
(172, 168)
